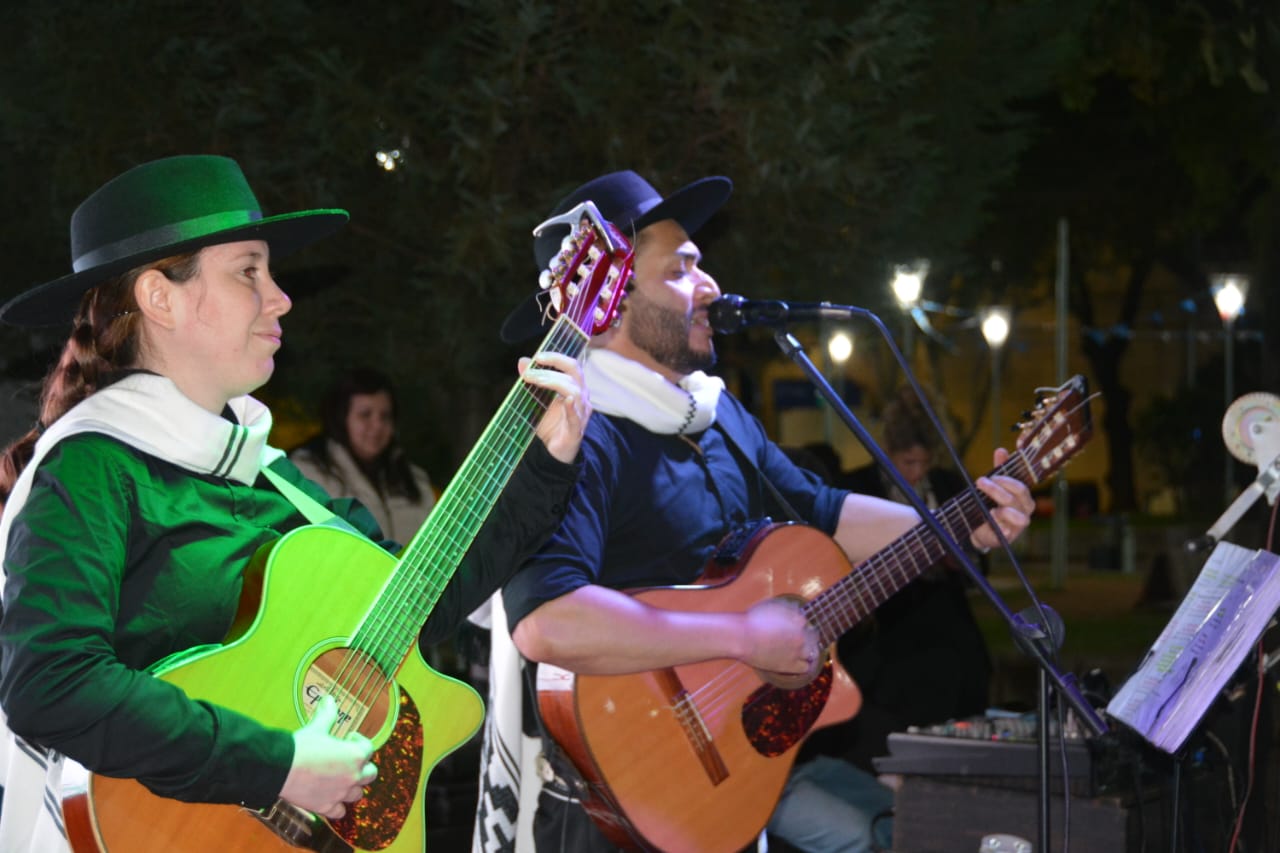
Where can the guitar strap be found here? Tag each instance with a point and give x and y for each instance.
(742, 456)
(311, 509)
(558, 769)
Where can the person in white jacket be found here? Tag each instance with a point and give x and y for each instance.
(359, 455)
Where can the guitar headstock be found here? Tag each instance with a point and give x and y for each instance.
(1060, 426)
(586, 279)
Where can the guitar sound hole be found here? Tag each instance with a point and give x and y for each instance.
(357, 683)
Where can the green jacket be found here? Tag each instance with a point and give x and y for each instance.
(120, 559)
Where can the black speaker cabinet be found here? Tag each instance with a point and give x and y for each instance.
(932, 816)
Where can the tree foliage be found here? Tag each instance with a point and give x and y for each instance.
(855, 132)
(858, 134)
(1158, 149)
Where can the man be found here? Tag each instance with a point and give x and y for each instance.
(672, 463)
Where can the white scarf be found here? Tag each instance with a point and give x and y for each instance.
(147, 412)
(626, 388)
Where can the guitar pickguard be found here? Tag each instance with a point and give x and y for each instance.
(775, 719)
(375, 821)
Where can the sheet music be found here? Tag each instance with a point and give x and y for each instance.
(1224, 612)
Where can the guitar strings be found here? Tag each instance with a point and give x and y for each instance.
(958, 518)
(519, 432)
(418, 591)
(1019, 465)
(433, 555)
(846, 599)
(387, 634)
(388, 629)
(843, 599)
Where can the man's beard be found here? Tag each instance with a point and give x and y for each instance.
(664, 334)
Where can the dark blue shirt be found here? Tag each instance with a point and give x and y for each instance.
(651, 509)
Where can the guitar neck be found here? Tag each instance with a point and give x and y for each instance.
(855, 596)
(430, 559)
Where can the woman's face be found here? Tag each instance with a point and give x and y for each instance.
(369, 424)
(222, 328)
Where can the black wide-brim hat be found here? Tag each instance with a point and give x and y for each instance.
(157, 210)
(630, 203)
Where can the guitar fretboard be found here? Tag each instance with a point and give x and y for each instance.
(851, 599)
(433, 555)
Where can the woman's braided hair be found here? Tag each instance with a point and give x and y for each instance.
(104, 340)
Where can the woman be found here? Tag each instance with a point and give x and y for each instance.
(358, 454)
(133, 508)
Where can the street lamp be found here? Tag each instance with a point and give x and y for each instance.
(908, 281)
(1228, 294)
(995, 328)
(840, 347)
(907, 284)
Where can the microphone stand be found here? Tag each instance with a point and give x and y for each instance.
(1030, 636)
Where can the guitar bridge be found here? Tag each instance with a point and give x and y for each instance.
(301, 828)
(693, 726)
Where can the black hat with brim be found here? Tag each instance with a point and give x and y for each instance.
(630, 203)
(157, 210)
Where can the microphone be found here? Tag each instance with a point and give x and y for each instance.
(731, 313)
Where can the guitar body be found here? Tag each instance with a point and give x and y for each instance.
(659, 774)
(318, 584)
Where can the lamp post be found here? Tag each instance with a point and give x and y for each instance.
(995, 329)
(839, 348)
(908, 282)
(1228, 295)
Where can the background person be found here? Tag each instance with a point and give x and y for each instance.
(358, 454)
(922, 659)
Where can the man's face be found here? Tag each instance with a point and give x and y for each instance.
(665, 314)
